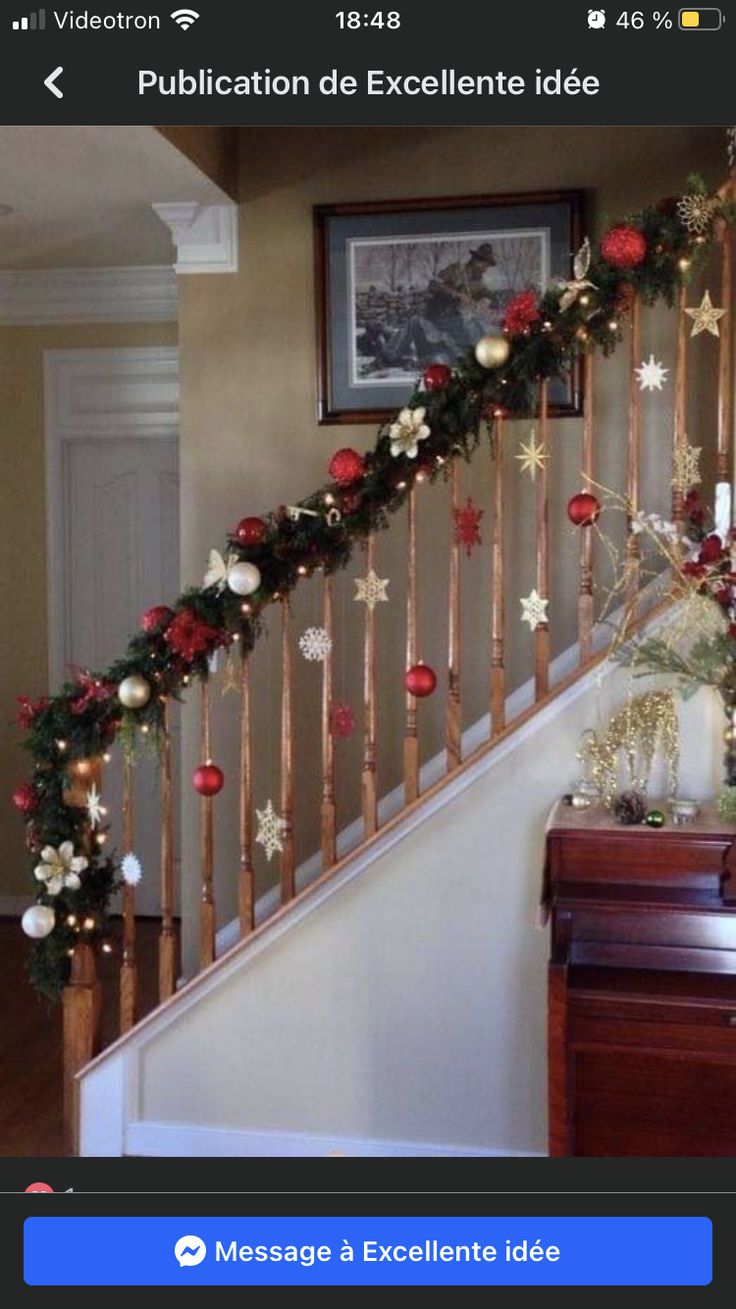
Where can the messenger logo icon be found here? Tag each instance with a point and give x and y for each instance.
(189, 1251)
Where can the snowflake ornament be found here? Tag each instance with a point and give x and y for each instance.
(60, 869)
(406, 433)
(534, 610)
(467, 526)
(686, 467)
(342, 720)
(652, 375)
(371, 589)
(695, 212)
(131, 870)
(271, 828)
(532, 456)
(315, 644)
(705, 317)
(95, 809)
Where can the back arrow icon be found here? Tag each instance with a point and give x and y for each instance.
(50, 81)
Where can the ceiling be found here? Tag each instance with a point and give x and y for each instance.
(81, 196)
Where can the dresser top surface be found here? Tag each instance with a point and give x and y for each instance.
(596, 819)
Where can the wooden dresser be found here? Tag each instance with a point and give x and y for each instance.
(642, 986)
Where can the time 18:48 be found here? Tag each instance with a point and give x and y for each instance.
(353, 19)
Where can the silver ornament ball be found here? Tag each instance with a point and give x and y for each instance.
(134, 692)
(492, 351)
(38, 921)
(244, 578)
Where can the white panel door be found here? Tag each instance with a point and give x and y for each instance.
(115, 522)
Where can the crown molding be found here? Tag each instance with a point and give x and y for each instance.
(145, 294)
(205, 236)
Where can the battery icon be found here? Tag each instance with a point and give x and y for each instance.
(701, 20)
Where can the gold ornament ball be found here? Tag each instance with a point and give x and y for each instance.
(134, 692)
(492, 351)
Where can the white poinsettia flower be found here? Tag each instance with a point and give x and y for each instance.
(408, 430)
(60, 869)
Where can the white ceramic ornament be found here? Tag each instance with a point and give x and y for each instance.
(38, 921)
(244, 578)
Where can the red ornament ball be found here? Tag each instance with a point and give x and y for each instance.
(346, 467)
(624, 247)
(250, 531)
(437, 377)
(25, 798)
(156, 617)
(208, 779)
(584, 509)
(421, 680)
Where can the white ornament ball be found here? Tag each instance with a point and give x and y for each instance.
(38, 921)
(492, 351)
(134, 692)
(244, 578)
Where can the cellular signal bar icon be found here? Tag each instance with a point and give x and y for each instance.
(31, 23)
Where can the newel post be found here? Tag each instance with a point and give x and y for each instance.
(81, 1015)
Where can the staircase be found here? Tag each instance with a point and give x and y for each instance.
(416, 904)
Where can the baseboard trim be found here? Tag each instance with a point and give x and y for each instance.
(185, 1140)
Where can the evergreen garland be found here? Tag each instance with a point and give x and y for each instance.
(65, 728)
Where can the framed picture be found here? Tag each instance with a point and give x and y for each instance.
(403, 284)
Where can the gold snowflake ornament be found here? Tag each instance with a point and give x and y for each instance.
(686, 467)
(706, 317)
(695, 212)
(532, 456)
(371, 589)
(534, 610)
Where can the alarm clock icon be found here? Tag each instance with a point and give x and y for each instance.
(596, 18)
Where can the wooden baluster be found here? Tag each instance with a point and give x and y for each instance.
(724, 490)
(128, 971)
(246, 885)
(411, 735)
(329, 830)
(369, 788)
(207, 842)
(81, 1003)
(633, 552)
(287, 763)
(541, 635)
(498, 596)
(585, 596)
(680, 433)
(453, 733)
(167, 942)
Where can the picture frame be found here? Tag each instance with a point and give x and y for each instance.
(402, 284)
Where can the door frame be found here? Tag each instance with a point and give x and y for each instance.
(96, 394)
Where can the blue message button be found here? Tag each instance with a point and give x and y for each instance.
(377, 1251)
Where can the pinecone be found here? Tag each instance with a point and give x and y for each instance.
(630, 808)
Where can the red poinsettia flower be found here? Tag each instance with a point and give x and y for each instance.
(711, 549)
(521, 312)
(29, 709)
(90, 690)
(188, 636)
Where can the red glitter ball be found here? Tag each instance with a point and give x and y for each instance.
(25, 798)
(346, 467)
(420, 680)
(437, 377)
(583, 509)
(208, 779)
(624, 247)
(250, 531)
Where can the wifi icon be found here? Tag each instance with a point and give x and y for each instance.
(184, 18)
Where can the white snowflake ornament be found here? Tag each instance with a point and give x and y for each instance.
(271, 829)
(534, 609)
(406, 433)
(131, 870)
(60, 869)
(652, 375)
(315, 644)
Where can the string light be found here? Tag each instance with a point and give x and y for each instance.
(107, 947)
(71, 920)
(236, 637)
(89, 924)
(329, 498)
(421, 477)
(302, 570)
(107, 757)
(145, 729)
(101, 838)
(613, 325)
(683, 265)
(401, 486)
(245, 609)
(70, 952)
(61, 746)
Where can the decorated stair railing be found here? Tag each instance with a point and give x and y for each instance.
(461, 413)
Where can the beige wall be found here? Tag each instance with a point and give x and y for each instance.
(24, 641)
(250, 439)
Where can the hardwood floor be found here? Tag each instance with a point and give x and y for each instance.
(30, 1040)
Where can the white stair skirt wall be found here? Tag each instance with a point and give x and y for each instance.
(400, 1008)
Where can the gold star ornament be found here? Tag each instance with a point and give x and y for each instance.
(371, 589)
(706, 317)
(532, 456)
